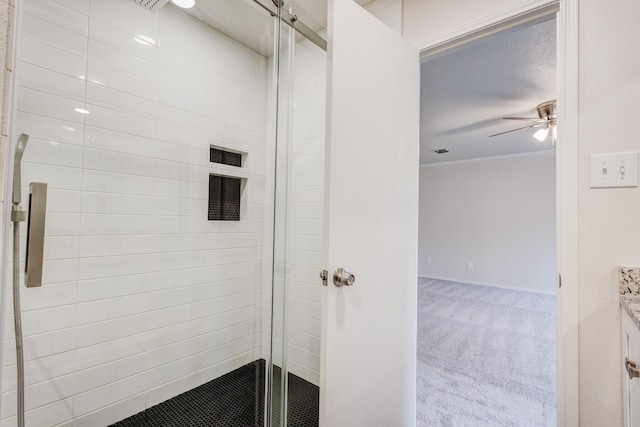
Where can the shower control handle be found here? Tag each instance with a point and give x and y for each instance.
(343, 278)
(35, 234)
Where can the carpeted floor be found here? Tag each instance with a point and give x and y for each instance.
(486, 356)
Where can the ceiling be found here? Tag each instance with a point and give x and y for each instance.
(465, 94)
(314, 12)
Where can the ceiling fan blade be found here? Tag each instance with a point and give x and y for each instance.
(513, 130)
(537, 120)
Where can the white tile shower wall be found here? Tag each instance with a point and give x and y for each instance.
(143, 298)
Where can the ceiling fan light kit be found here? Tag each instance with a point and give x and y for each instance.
(546, 117)
(541, 134)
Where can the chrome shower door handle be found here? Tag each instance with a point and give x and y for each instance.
(343, 278)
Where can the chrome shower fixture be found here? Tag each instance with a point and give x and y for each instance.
(151, 4)
(16, 196)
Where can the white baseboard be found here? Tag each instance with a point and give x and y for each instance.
(492, 285)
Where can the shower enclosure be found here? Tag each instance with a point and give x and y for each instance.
(184, 155)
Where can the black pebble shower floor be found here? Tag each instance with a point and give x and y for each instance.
(235, 399)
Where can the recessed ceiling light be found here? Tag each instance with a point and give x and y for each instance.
(82, 111)
(185, 4)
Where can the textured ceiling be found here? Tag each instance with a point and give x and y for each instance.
(465, 94)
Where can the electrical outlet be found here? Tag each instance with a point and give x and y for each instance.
(470, 265)
(428, 260)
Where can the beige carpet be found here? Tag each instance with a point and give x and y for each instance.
(486, 356)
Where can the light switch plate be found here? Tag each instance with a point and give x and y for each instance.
(614, 170)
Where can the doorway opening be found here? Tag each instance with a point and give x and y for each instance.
(487, 231)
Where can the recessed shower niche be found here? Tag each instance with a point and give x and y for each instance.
(225, 198)
(226, 191)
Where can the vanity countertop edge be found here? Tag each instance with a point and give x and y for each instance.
(629, 286)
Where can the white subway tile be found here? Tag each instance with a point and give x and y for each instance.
(62, 224)
(38, 346)
(38, 395)
(55, 413)
(112, 413)
(81, 6)
(57, 177)
(104, 54)
(50, 106)
(101, 224)
(53, 153)
(39, 370)
(113, 120)
(103, 74)
(119, 142)
(103, 396)
(131, 43)
(107, 203)
(40, 54)
(59, 15)
(48, 129)
(50, 34)
(135, 11)
(51, 295)
(63, 201)
(107, 182)
(51, 82)
(44, 321)
(122, 18)
(110, 161)
(121, 102)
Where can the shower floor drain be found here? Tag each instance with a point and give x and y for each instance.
(235, 399)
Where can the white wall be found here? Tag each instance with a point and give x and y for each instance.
(143, 298)
(424, 20)
(498, 213)
(607, 218)
(389, 12)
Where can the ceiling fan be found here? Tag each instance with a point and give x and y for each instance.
(546, 120)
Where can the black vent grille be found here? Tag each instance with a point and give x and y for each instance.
(224, 198)
(217, 155)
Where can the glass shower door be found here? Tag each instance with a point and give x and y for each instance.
(298, 225)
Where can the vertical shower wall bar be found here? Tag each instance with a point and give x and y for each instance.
(287, 143)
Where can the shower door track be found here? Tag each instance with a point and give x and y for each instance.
(296, 24)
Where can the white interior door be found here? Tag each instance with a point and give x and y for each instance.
(368, 356)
